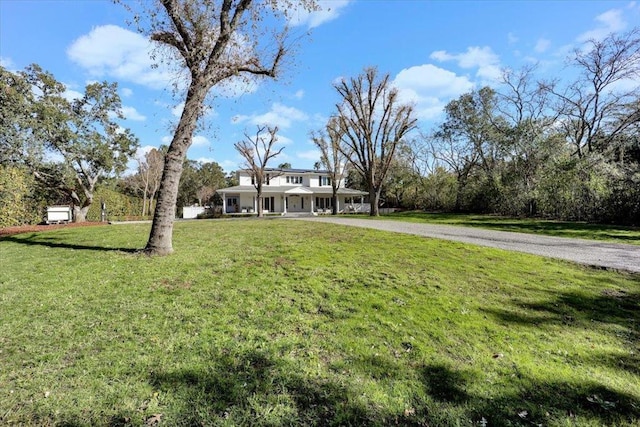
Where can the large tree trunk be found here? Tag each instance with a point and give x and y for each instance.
(80, 213)
(161, 236)
(374, 201)
(334, 201)
(81, 208)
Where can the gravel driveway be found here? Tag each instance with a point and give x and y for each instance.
(593, 253)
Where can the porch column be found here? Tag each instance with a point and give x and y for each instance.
(224, 203)
(284, 204)
(337, 204)
(311, 197)
(255, 204)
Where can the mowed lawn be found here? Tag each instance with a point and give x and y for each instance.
(277, 322)
(582, 230)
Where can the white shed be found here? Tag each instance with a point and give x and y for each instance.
(59, 214)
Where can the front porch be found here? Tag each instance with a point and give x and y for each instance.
(243, 200)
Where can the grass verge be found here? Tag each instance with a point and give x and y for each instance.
(582, 230)
(275, 322)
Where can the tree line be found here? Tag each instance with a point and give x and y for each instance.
(566, 149)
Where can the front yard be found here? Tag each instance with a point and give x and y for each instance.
(276, 322)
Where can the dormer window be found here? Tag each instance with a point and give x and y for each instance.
(324, 180)
(265, 179)
(294, 179)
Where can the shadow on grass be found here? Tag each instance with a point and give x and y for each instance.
(256, 388)
(251, 389)
(51, 242)
(611, 306)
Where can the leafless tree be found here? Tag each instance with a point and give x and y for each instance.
(602, 103)
(257, 151)
(332, 157)
(215, 41)
(147, 180)
(372, 123)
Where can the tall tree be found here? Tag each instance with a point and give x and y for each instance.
(373, 123)
(529, 138)
(469, 138)
(602, 103)
(257, 151)
(215, 41)
(81, 133)
(147, 178)
(332, 157)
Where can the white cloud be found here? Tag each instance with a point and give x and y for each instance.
(309, 155)
(542, 45)
(141, 152)
(177, 110)
(512, 38)
(205, 160)
(71, 95)
(482, 58)
(126, 92)
(283, 140)
(328, 10)
(430, 88)
(609, 22)
(6, 63)
(229, 165)
(130, 113)
(166, 140)
(299, 94)
(280, 115)
(113, 51)
(199, 141)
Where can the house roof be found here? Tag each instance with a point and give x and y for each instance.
(285, 171)
(268, 189)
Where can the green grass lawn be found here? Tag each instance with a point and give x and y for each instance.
(582, 230)
(276, 322)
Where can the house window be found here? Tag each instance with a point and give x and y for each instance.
(294, 179)
(324, 180)
(268, 204)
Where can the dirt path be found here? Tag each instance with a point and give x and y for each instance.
(10, 231)
(614, 256)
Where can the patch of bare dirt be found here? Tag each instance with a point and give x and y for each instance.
(10, 231)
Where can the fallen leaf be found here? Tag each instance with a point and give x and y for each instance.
(154, 420)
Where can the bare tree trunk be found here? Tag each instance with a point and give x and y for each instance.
(80, 213)
(144, 203)
(334, 200)
(374, 201)
(160, 239)
(150, 205)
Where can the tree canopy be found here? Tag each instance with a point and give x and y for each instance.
(68, 145)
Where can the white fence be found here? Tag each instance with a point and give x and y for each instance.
(365, 208)
(190, 212)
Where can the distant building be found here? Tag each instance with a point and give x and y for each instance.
(290, 191)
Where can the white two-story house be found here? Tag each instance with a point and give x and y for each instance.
(288, 191)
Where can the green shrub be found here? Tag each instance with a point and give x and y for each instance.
(18, 203)
(118, 206)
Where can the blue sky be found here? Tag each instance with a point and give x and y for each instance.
(433, 50)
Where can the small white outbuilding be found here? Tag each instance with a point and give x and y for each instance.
(59, 214)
